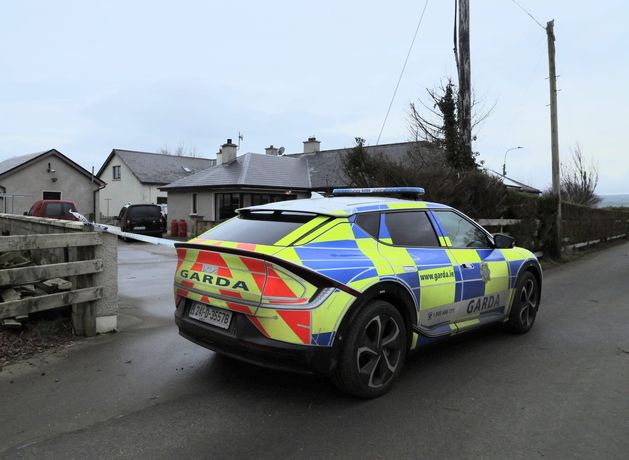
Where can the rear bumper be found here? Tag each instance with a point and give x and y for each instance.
(244, 342)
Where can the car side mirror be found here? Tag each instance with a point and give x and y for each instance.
(502, 241)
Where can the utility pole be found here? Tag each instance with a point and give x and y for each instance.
(554, 134)
(465, 78)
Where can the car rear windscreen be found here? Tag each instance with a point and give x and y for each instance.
(58, 209)
(152, 211)
(258, 228)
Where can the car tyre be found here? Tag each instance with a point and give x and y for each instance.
(374, 351)
(525, 304)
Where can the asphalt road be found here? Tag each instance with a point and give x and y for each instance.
(561, 391)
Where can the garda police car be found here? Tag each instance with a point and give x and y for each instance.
(348, 285)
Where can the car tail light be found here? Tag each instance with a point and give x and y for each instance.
(287, 290)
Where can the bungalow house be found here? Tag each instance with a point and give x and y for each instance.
(236, 181)
(47, 175)
(135, 177)
(209, 196)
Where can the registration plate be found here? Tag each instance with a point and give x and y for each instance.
(139, 228)
(209, 315)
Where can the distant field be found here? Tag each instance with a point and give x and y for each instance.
(614, 200)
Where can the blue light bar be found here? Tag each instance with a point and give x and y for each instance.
(379, 191)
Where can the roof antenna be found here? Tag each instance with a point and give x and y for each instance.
(240, 138)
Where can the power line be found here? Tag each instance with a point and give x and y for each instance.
(529, 14)
(419, 23)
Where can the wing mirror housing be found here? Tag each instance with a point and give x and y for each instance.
(502, 241)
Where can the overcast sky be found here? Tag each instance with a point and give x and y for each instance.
(86, 77)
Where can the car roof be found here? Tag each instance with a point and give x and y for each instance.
(55, 201)
(345, 206)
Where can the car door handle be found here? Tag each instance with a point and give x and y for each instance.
(468, 266)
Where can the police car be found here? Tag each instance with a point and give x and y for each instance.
(348, 285)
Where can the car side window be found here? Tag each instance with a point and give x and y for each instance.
(369, 222)
(409, 228)
(462, 232)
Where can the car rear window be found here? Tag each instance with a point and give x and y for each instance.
(144, 211)
(258, 228)
(58, 209)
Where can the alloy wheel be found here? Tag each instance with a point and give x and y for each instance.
(528, 303)
(380, 350)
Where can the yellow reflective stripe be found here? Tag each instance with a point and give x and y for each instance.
(340, 232)
(445, 242)
(369, 247)
(498, 277)
(468, 323)
(414, 205)
(414, 340)
(301, 231)
(328, 316)
(277, 329)
(317, 232)
(463, 256)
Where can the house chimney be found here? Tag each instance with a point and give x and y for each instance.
(228, 152)
(270, 150)
(312, 145)
(219, 158)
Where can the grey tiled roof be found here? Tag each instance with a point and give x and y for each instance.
(326, 167)
(251, 169)
(10, 164)
(14, 162)
(320, 170)
(514, 184)
(157, 168)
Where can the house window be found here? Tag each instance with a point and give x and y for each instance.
(226, 205)
(257, 199)
(260, 199)
(116, 172)
(194, 203)
(46, 195)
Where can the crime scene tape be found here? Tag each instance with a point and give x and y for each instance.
(116, 231)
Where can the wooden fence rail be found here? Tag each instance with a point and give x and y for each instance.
(76, 245)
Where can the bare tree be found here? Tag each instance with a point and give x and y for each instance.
(179, 151)
(579, 180)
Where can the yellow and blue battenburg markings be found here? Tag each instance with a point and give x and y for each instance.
(453, 289)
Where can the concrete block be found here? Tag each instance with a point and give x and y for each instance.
(106, 324)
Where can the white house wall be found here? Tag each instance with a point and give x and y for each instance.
(180, 206)
(34, 179)
(126, 190)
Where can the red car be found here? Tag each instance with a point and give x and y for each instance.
(54, 209)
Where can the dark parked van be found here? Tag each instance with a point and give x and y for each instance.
(54, 209)
(144, 219)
